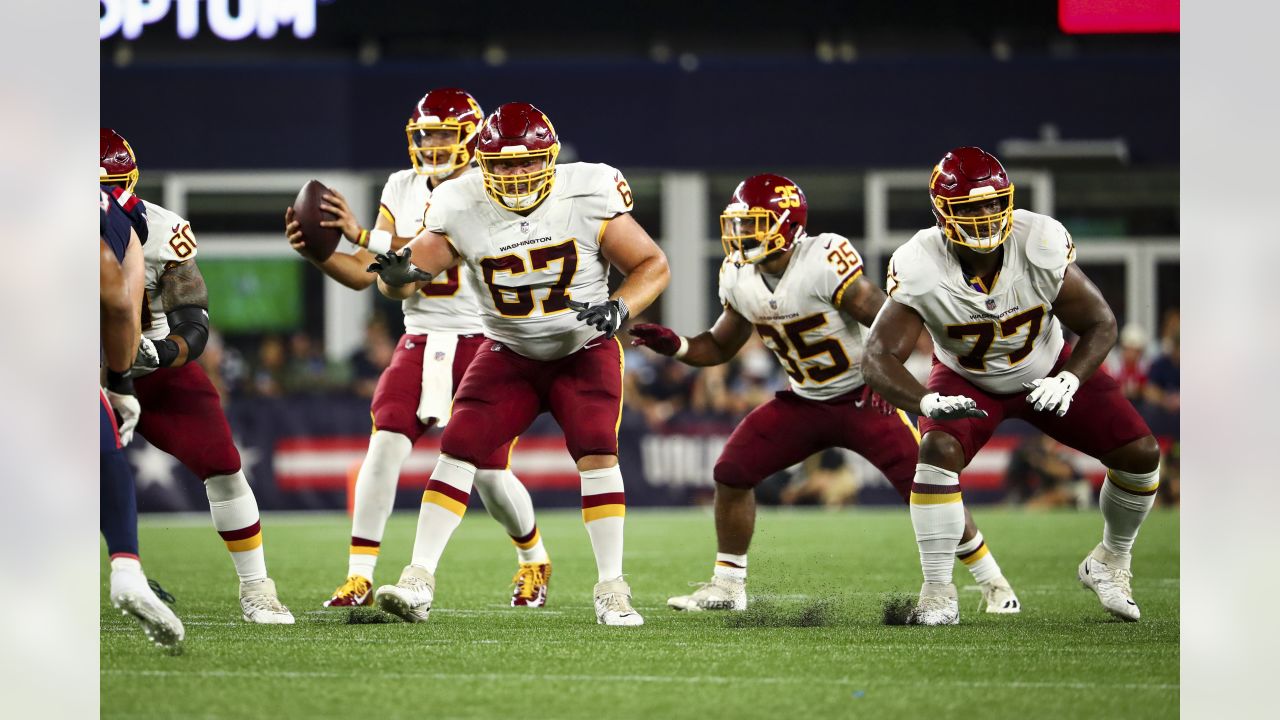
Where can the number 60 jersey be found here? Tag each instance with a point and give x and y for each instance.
(1000, 339)
(800, 320)
(529, 267)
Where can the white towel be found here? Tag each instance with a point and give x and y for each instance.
(436, 400)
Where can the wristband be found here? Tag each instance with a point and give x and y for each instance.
(120, 382)
(684, 348)
(363, 238)
(378, 242)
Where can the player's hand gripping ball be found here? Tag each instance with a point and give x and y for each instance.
(318, 242)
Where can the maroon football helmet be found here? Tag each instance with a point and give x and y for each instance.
(116, 161)
(442, 131)
(964, 182)
(766, 215)
(518, 133)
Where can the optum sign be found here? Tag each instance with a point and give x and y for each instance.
(252, 17)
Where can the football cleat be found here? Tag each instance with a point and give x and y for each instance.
(131, 595)
(260, 604)
(1108, 575)
(410, 599)
(531, 585)
(998, 597)
(613, 603)
(357, 590)
(938, 605)
(719, 594)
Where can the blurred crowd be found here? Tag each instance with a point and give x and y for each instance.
(673, 397)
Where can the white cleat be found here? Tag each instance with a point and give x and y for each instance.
(998, 597)
(259, 603)
(410, 599)
(613, 604)
(719, 594)
(131, 595)
(1108, 575)
(938, 605)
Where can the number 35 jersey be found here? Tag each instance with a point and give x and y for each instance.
(1000, 339)
(449, 303)
(799, 320)
(529, 267)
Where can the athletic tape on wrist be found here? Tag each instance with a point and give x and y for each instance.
(684, 348)
(379, 242)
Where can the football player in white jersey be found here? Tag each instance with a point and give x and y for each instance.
(183, 413)
(540, 237)
(994, 286)
(442, 334)
(806, 296)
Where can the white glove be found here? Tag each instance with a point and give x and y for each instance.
(951, 407)
(128, 410)
(147, 359)
(1053, 393)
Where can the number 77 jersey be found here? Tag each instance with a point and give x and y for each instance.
(528, 267)
(998, 337)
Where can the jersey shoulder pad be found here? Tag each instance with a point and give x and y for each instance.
(174, 243)
(730, 276)
(914, 268)
(1047, 243)
(451, 199)
(604, 185)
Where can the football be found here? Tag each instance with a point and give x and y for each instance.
(321, 241)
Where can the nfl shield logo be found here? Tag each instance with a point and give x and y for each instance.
(991, 304)
(524, 226)
(439, 356)
(773, 304)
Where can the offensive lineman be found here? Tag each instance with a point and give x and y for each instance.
(442, 334)
(806, 296)
(541, 238)
(183, 412)
(995, 311)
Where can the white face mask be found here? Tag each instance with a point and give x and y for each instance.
(520, 202)
(982, 244)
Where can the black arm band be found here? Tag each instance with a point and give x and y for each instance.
(191, 323)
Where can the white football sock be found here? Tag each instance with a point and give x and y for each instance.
(375, 496)
(235, 517)
(1125, 500)
(508, 502)
(937, 514)
(604, 507)
(978, 558)
(443, 504)
(732, 567)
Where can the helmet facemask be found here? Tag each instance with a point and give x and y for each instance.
(438, 148)
(519, 191)
(981, 232)
(752, 233)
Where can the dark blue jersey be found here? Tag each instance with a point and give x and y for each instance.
(114, 223)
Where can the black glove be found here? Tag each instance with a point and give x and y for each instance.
(606, 317)
(395, 269)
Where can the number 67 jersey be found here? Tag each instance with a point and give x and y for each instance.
(528, 267)
(999, 337)
(799, 320)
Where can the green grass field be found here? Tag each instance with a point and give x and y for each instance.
(811, 646)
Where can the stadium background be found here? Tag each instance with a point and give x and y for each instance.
(855, 103)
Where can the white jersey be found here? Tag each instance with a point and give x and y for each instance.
(169, 243)
(800, 319)
(1000, 339)
(532, 265)
(449, 304)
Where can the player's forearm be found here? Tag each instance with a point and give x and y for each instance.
(889, 377)
(704, 351)
(349, 269)
(1091, 349)
(120, 334)
(644, 284)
